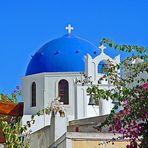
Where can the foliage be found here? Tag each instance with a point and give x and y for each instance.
(130, 92)
(12, 129)
(12, 97)
(11, 126)
(13, 134)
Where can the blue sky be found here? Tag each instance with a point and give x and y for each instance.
(25, 25)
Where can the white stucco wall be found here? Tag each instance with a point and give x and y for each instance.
(47, 91)
(84, 110)
(41, 138)
(26, 93)
(51, 89)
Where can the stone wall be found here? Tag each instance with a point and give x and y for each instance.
(86, 125)
(41, 138)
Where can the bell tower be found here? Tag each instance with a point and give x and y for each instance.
(91, 70)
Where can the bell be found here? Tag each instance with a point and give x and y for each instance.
(91, 100)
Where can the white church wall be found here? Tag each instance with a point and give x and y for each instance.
(58, 127)
(40, 139)
(91, 69)
(51, 90)
(84, 110)
(47, 91)
(80, 109)
(92, 110)
(40, 122)
(26, 93)
(105, 105)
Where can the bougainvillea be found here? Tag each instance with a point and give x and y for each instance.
(130, 93)
(10, 126)
(17, 135)
(131, 121)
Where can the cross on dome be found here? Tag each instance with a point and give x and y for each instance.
(102, 47)
(69, 28)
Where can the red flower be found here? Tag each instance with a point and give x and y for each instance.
(110, 129)
(145, 86)
(121, 112)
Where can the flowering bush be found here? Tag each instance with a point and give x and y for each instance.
(13, 97)
(10, 126)
(131, 121)
(131, 94)
(15, 134)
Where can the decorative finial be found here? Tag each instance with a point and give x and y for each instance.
(69, 28)
(102, 47)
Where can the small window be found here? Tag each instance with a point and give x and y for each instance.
(33, 94)
(63, 91)
(102, 67)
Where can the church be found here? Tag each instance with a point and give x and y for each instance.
(64, 68)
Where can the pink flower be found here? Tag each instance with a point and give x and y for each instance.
(17, 87)
(136, 89)
(146, 113)
(121, 112)
(126, 102)
(110, 129)
(117, 126)
(128, 146)
(145, 86)
(142, 97)
(109, 65)
(121, 131)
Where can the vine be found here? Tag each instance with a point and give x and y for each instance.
(131, 93)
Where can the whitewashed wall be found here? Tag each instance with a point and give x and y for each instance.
(26, 93)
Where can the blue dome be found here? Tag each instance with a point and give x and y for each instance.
(65, 54)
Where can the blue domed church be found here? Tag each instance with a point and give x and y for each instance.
(58, 69)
